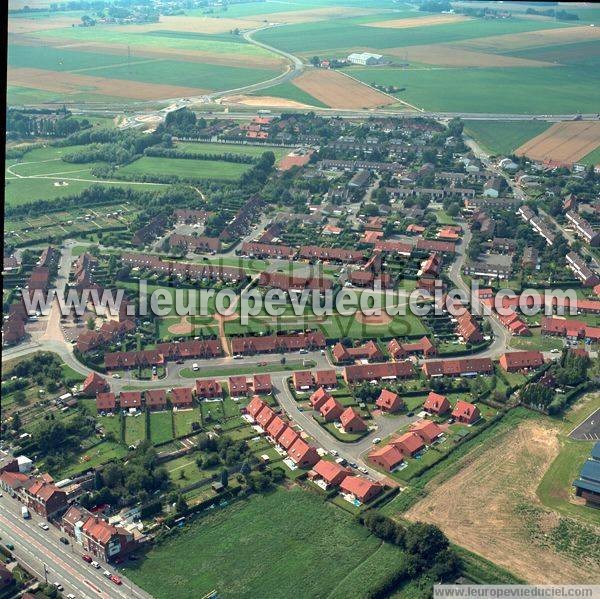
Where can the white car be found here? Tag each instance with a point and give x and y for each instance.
(555, 351)
(363, 470)
(106, 573)
(43, 526)
(376, 440)
(70, 596)
(195, 367)
(96, 565)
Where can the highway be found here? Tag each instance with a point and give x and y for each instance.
(37, 548)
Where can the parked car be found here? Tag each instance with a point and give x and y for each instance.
(195, 366)
(95, 564)
(59, 587)
(107, 573)
(43, 526)
(10, 546)
(116, 579)
(87, 558)
(376, 440)
(64, 540)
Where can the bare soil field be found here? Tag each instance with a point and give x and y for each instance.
(446, 55)
(564, 142)
(531, 39)
(418, 21)
(242, 100)
(66, 83)
(233, 60)
(25, 25)
(183, 327)
(487, 520)
(310, 16)
(374, 319)
(340, 91)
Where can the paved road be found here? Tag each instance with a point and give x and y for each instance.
(36, 547)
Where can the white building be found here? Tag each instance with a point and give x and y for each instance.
(365, 58)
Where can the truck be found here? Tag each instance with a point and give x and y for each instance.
(25, 512)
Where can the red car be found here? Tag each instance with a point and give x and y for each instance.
(116, 579)
(87, 558)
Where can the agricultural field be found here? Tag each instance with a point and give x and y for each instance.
(503, 137)
(268, 536)
(564, 142)
(528, 539)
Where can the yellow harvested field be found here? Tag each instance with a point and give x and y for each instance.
(188, 24)
(446, 55)
(531, 39)
(564, 142)
(418, 21)
(269, 101)
(499, 511)
(340, 91)
(68, 83)
(24, 25)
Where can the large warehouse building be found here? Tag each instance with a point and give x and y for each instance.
(365, 58)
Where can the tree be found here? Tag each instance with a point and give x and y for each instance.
(90, 324)
(181, 505)
(225, 477)
(16, 421)
(245, 469)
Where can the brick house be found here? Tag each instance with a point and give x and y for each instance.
(330, 472)
(93, 384)
(261, 383)
(331, 410)
(352, 422)
(318, 398)
(105, 541)
(426, 429)
(303, 380)
(156, 399)
(388, 457)
(466, 412)
(436, 404)
(389, 401)
(303, 454)
(519, 360)
(208, 389)
(362, 489)
(182, 398)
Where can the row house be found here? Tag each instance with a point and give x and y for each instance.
(537, 224)
(109, 332)
(325, 254)
(583, 228)
(196, 244)
(278, 280)
(266, 250)
(368, 351)
(358, 373)
(278, 343)
(422, 347)
(521, 360)
(581, 270)
(149, 232)
(458, 367)
(488, 270)
(186, 216)
(571, 329)
(242, 220)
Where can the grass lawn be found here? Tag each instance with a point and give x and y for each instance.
(238, 370)
(103, 453)
(187, 169)
(135, 429)
(503, 137)
(184, 419)
(537, 341)
(268, 546)
(161, 427)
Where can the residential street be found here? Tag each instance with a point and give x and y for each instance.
(38, 548)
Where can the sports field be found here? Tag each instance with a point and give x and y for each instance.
(260, 548)
(186, 169)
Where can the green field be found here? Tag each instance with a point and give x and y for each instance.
(508, 90)
(187, 169)
(592, 158)
(342, 34)
(269, 546)
(161, 427)
(503, 137)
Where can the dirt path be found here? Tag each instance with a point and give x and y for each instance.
(492, 513)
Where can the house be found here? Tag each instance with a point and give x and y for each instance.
(330, 472)
(581, 270)
(360, 488)
(352, 422)
(261, 383)
(303, 380)
(426, 429)
(519, 360)
(583, 228)
(106, 402)
(331, 410)
(182, 398)
(276, 428)
(384, 371)
(73, 520)
(208, 389)
(255, 406)
(6, 577)
(156, 399)
(326, 378)
(466, 412)
(458, 367)
(409, 444)
(422, 347)
(277, 343)
(436, 404)
(287, 438)
(303, 454)
(45, 498)
(571, 329)
(388, 457)
(389, 401)
(264, 417)
(130, 400)
(105, 541)
(318, 398)
(238, 386)
(94, 384)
